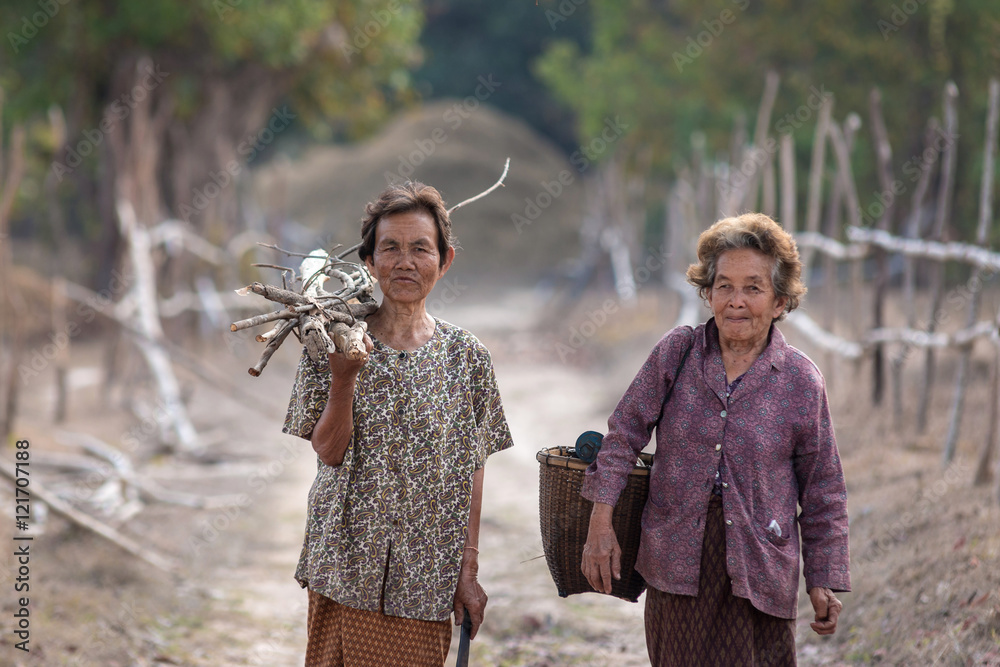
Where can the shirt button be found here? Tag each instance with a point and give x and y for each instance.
(723, 414)
(718, 447)
(729, 522)
(725, 485)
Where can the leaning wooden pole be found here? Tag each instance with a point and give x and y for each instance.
(816, 168)
(843, 143)
(887, 183)
(760, 157)
(941, 214)
(911, 230)
(983, 472)
(982, 238)
(13, 307)
(786, 163)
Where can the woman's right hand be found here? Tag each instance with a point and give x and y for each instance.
(602, 557)
(341, 366)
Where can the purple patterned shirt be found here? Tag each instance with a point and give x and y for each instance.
(775, 438)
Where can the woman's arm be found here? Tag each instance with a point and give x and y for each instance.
(469, 595)
(823, 521)
(332, 433)
(629, 428)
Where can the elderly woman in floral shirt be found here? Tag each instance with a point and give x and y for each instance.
(392, 535)
(744, 439)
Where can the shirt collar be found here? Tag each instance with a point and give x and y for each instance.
(774, 353)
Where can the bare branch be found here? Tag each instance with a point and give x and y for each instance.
(482, 194)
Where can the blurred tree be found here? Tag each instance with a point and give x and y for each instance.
(172, 99)
(672, 68)
(465, 39)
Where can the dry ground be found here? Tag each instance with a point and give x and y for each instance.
(925, 546)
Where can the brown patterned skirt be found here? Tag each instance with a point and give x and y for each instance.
(342, 636)
(714, 628)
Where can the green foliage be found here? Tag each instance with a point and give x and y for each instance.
(343, 66)
(338, 70)
(677, 67)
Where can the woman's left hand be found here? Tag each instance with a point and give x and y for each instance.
(827, 608)
(469, 596)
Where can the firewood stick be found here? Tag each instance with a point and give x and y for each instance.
(264, 337)
(272, 345)
(289, 298)
(272, 293)
(350, 340)
(257, 320)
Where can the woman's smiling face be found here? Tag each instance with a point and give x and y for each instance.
(742, 297)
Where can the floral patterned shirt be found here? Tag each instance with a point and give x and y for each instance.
(771, 442)
(389, 524)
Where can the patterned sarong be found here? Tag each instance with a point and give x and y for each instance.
(715, 628)
(342, 636)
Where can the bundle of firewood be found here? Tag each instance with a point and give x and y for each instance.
(324, 321)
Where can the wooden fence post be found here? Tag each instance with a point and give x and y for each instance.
(937, 233)
(887, 182)
(978, 274)
(911, 230)
(12, 304)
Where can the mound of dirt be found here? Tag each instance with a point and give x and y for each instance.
(459, 147)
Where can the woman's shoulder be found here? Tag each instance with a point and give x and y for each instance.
(456, 339)
(681, 337)
(799, 364)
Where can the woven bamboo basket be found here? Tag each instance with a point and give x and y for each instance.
(565, 517)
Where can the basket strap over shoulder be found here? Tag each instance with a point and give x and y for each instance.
(677, 375)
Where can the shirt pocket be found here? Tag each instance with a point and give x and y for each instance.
(770, 528)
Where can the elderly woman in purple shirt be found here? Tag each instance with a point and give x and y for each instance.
(743, 438)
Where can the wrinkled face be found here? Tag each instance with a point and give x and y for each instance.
(406, 261)
(742, 297)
